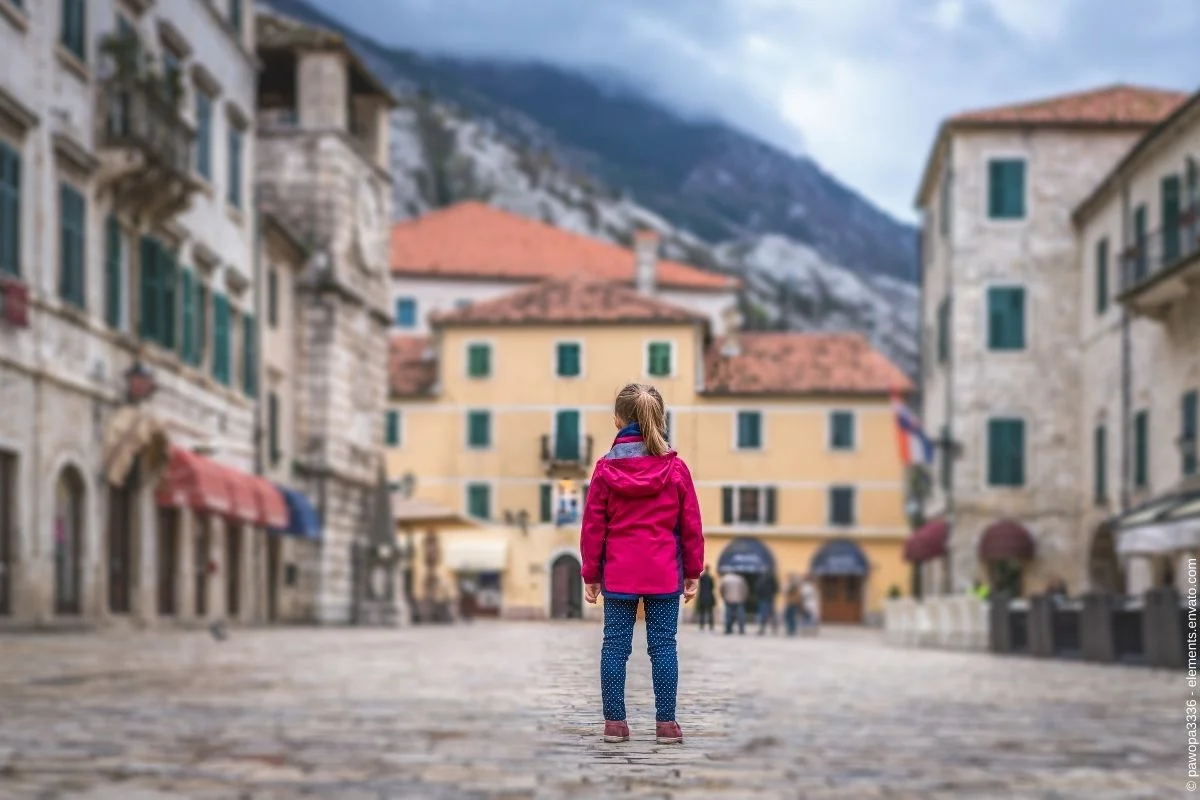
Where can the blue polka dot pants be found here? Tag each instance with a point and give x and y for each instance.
(662, 623)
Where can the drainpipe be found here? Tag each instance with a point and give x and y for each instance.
(1126, 357)
(948, 445)
(256, 237)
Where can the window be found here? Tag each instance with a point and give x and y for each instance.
(1100, 464)
(943, 330)
(1171, 191)
(157, 306)
(658, 359)
(568, 363)
(841, 430)
(200, 344)
(220, 359)
(167, 276)
(944, 203)
(462, 303)
(479, 360)
(406, 313)
(1006, 188)
(748, 505)
(71, 246)
(749, 430)
(187, 313)
(1006, 452)
(1006, 318)
(112, 273)
(479, 429)
(546, 502)
(566, 436)
(249, 356)
(235, 15)
(204, 134)
(10, 211)
(272, 297)
(1188, 432)
(392, 428)
(1141, 449)
(74, 28)
(273, 428)
(479, 500)
(234, 191)
(841, 505)
(1102, 276)
(1139, 243)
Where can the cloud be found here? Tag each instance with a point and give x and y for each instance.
(860, 84)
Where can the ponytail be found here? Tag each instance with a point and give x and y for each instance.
(644, 405)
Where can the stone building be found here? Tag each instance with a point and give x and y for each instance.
(322, 172)
(127, 265)
(1139, 284)
(1001, 305)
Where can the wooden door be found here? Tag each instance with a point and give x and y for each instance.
(68, 543)
(274, 543)
(119, 547)
(233, 570)
(566, 589)
(8, 527)
(200, 564)
(168, 560)
(841, 599)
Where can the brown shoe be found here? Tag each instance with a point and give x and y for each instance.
(668, 733)
(616, 731)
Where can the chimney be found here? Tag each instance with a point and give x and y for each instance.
(645, 260)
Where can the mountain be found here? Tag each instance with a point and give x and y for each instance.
(588, 153)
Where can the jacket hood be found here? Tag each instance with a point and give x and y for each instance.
(639, 476)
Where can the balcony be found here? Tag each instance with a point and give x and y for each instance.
(1164, 269)
(146, 149)
(566, 456)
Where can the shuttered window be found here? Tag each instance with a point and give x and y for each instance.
(841, 430)
(249, 356)
(1188, 432)
(406, 312)
(272, 297)
(273, 428)
(392, 428)
(204, 134)
(546, 502)
(943, 330)
(202, 326)
(479, 360)
(187, 306)
(1100, 464)
(1171, 196)
(1006, 188)
(234, 190)
(841, 505)
(727, 505)
(479, 429)
(72, 246)
(1102, 276)
(479, 500)
(1006, 318)
(1141, 449)
(74, 28)
(749, 430)
(568, 361)
(658, 359)
(10, 211)
(221, 354)
(113, 284)
(1006, 452)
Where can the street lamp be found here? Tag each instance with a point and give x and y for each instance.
(139, 383)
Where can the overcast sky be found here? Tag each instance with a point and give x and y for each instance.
(860, 85)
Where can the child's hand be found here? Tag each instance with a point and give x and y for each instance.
(590, 592)
(690, 587)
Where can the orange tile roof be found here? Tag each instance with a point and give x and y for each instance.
(1118, 105)
(412, 368)
(572, 300)
(475, 240)
(802, 363)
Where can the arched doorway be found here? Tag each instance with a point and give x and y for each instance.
(119, 542)
(751, 559)
(841, 568)
(1104, 567)
(68, 542)
(566, 588)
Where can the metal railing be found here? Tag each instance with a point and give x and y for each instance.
(137, 116)
(1161, 250)
(566, 451)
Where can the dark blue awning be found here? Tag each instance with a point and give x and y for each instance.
(746, 555)
(302, 517)
(839, 557)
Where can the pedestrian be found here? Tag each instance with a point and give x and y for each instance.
(793, 605)
(766, 589)
(810, 605)
(706, 600)
(641, 540)
(733, 594)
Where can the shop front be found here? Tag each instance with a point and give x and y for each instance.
(842, 570)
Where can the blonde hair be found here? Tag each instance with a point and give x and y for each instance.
(641, 403)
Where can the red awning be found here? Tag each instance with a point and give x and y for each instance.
(242, 495)
(1005, 539)
(193, 481)
(928, 541)
(272, 509)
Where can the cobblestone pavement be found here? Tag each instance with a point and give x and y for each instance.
(512, 710)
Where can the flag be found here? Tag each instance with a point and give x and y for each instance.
(915, 446)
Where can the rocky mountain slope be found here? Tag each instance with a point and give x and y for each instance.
(814, 255)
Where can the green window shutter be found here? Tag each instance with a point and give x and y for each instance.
(168, 281)
(74, 28)
(1141, 449)
(220, 360)
(1006, 318)
(272, 298)
(234, 193)
(479, 429)
(945, 460)
(1006, 452)
(566, 438)
(188, 314)
(112, 273)
(200, 345)
(749, 430)
(148, 294)
(943, 330)
(1101, 276)
(204, 134)
(273, 427)
(841, 505)
(479, 500)
(392, 431)
(1006, 189)
(10, 211)
(546, 502)
(72, 246)
(479, 360)
(1171, 196)
(235, 15)
(1100, 463)
(1139, 242)
(769, 515)
(249, 356)
(727, 505)
(1189, 432)
(659, 359)
(841, 430)
(569, 365)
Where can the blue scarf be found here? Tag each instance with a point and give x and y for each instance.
(632, 429)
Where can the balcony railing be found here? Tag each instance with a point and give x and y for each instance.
(1161, 250)
(138, 117)
(566, 453)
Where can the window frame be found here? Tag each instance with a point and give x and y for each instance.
(991, 420)
(72, 277)
(737, 430)
(478, 413)
(831, 430)
(767, 512)
(581, 417)
(989, 213)
(491, 350)
(830, 505)
(114, 273)
(1026, 326)
(489, 488)
(393, 415)
(557, 360)
(648, 361)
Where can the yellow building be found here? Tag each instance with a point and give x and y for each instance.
(503, 410)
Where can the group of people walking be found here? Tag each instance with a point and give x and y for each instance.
(800, 610)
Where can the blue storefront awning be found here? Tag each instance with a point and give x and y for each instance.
(746, 555)
(303, 520)
(839, 557)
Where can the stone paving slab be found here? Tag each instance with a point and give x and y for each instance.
(511, 710)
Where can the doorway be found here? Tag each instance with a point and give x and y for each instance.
(119, 545)
(566, 588)
(8, 527)
(841, 599)
(274, 545)
(168, 560)
(233, 571)
(68, 542)
(1104, 568)
(202, 556)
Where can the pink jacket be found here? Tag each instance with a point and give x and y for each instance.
(642, 533)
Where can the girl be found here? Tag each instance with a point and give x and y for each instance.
(641, 540)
